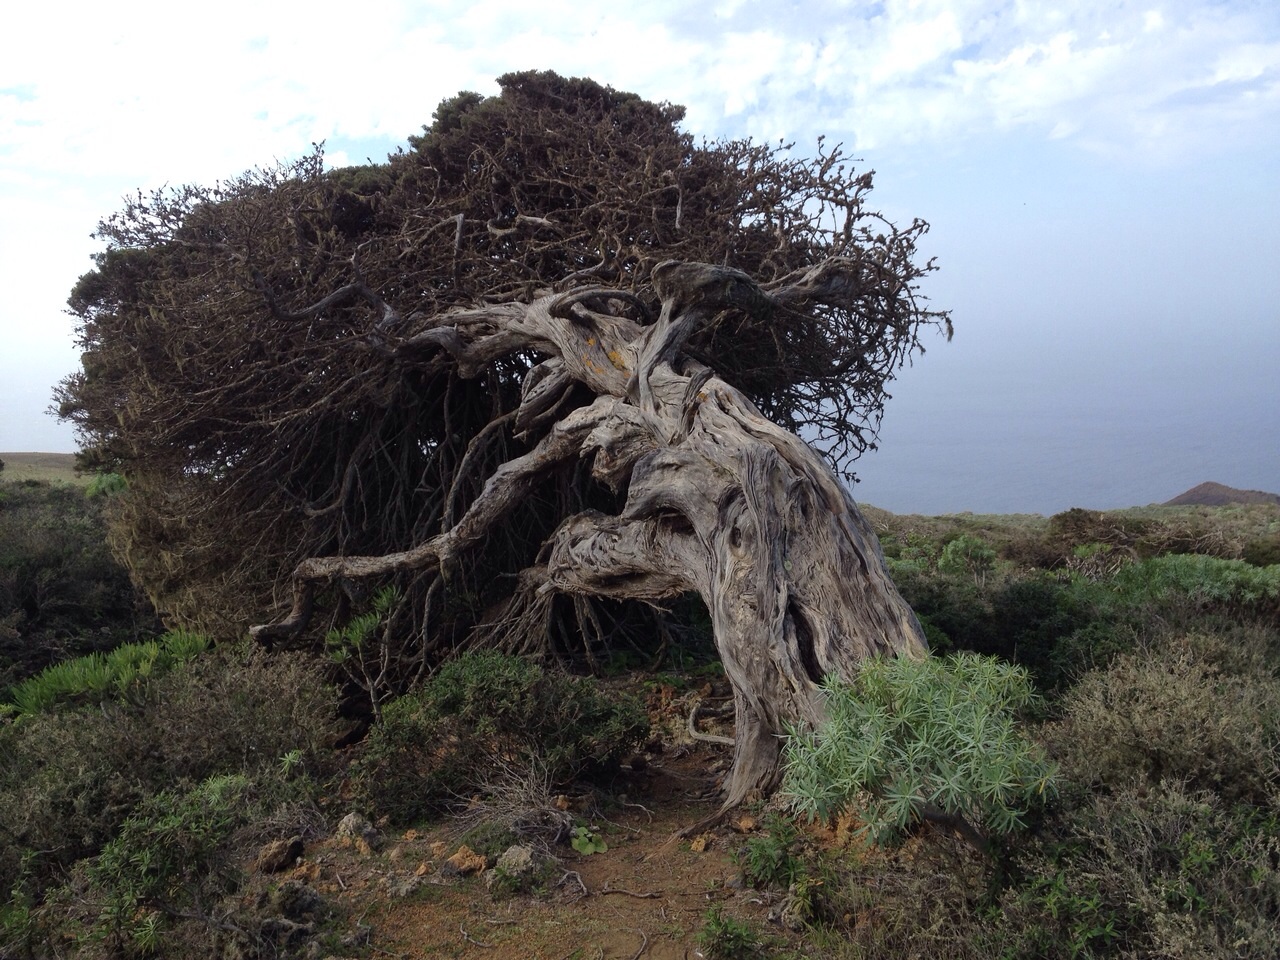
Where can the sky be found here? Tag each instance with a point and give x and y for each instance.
(1102, 181)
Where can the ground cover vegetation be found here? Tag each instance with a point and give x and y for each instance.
(1132, 810)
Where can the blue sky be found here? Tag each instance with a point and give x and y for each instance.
(1102, 181)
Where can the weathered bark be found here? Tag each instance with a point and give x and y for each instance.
(718, 499)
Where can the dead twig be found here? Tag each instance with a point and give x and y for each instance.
(467, 938)
(606, 889)
(704, 737)
(643, 946)
(581, 885)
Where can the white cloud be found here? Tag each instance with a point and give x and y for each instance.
(96, 99)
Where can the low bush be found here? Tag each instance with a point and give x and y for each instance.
(1191, 584)
(62, 594)
(909, 740)
(768, 858)
(170, 859)
(70, 778)
(482, 711)
(121, 674)
(1153, 872)
(724, 938)
(1175, 712)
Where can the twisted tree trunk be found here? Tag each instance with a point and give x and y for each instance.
(718, 499)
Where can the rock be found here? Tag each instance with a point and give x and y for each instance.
(355, 831)
(519, 868)
(359, 937)
(464, 863)
(401, 886)
(278, 855)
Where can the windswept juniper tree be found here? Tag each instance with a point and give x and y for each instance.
(552, 357)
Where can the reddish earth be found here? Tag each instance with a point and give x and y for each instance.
(646, 896)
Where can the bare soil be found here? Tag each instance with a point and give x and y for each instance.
(646, 896)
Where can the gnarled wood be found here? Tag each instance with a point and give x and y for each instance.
(719, 500)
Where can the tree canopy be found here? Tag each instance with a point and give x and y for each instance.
(503, 328)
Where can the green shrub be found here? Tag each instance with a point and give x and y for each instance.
(968, 556)
(1186, 585)
(724, 938)
(1262, 551)
(481, 709)
(1156, 872)
(1174, 713)
(168, 859)
(70, 778)
(62, 594)
(121, 674)
(914, 739)
(768, 859)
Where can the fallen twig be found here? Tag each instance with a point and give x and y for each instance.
(643, 946)
(467, 938)
(639, 896)
(578, 877)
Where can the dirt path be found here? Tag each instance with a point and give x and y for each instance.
(646, 896)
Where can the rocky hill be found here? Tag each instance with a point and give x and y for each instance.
(1216, 494)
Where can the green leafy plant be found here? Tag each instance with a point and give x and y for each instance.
(915, 740)
(291, 762)
(586, 841)
(724, 938)
(122, 673)
(105, 485)
(768, 859)
(169, 857)
(359, 651)
(968, 555)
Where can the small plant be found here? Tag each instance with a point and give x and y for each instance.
(291, 762)
(123, 674)
(915, 740)
(767, 859)
(356, 649)
(724, 938)
(586, 841)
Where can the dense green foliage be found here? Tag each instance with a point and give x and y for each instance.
(1163, 839)
(482, 712)
(122, 674)
(71, 778)
(912, 739)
